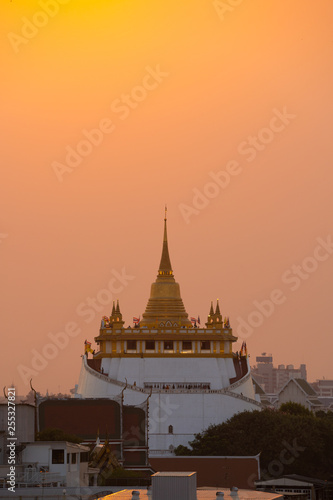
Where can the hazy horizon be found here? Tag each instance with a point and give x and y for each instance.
(112, 109)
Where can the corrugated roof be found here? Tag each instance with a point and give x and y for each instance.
(313, 480)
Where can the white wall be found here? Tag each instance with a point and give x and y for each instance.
(188, 412)
(41, 453)
(293, 393)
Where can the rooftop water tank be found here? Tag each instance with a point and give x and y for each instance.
(174, 485)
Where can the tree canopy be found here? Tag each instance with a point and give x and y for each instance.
(290, 440)
(294, 409)
(51, 434)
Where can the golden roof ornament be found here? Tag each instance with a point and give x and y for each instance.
(165, 304)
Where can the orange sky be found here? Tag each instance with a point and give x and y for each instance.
(179, 90)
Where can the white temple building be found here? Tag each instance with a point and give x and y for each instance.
(187, 376)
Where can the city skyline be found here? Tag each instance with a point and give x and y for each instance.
(112, 110)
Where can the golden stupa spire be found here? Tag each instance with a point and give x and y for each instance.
(165, 268)
(165, 305)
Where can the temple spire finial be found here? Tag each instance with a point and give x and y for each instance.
(165, 268)
(165, 237)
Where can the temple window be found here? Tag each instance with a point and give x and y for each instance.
(168, 345)
(205, 345)
(170, 429)
(131, 345)
(150, 345)
(187, 345)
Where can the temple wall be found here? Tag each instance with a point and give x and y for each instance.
(188, 416)
(216, 371)
(187, 412)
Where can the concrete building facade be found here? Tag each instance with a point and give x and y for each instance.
(271, 378)
(324, 388)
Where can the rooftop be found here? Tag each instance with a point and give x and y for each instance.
(306, 387)
(204, 494)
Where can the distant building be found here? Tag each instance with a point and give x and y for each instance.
(324, 388)
(327, 403)
(299, 391)
(267, 400)
(295, 486)
(272, 379)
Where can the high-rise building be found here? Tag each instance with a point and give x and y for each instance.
(188, 374)
(324, 388)
(272, 379)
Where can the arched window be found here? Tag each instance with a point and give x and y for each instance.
(170, 429)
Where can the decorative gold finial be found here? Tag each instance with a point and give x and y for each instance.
(165, 264)
(165, 212)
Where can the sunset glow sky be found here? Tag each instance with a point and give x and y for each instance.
(183, 91)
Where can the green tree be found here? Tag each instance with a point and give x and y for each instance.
(51, 434)
(294, 409)
(288, 443)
